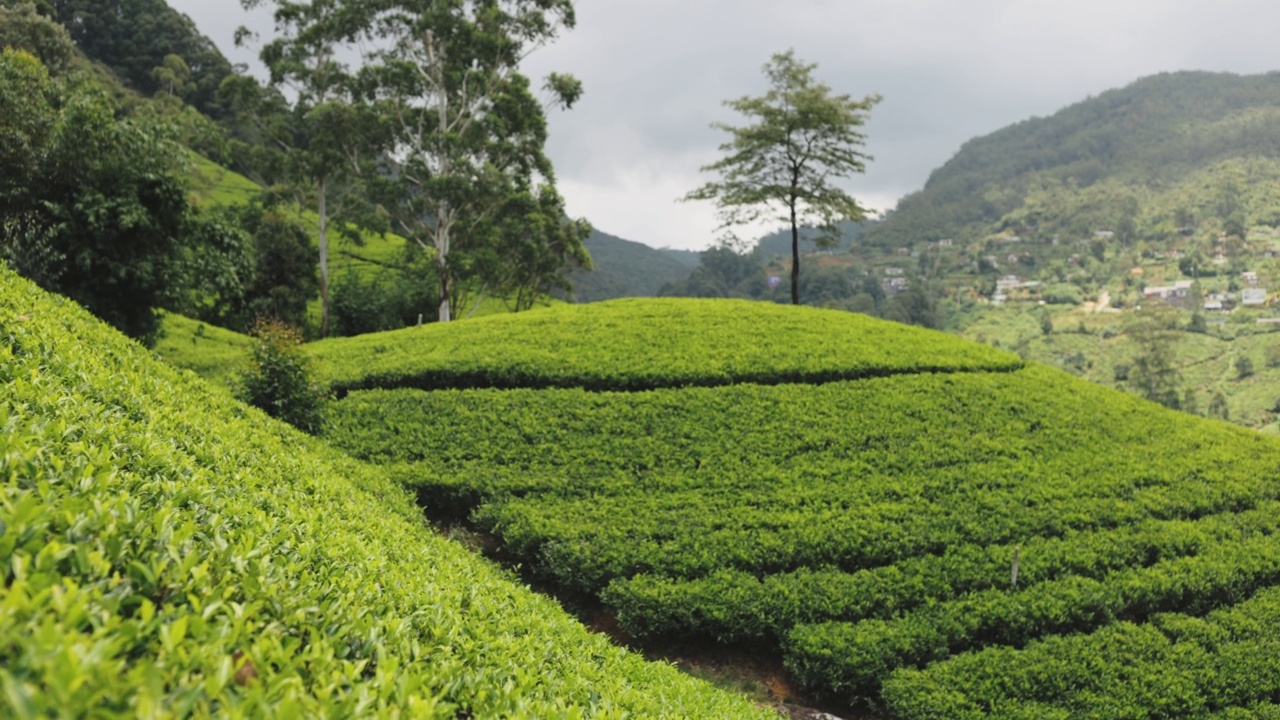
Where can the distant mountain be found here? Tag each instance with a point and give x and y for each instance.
(628, 269)
(684, 257)
(1119, 162)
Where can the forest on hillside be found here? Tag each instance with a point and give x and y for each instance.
(331, 169)
(1149, 134)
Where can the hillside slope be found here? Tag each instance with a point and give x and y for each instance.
(626, 269)
(168, 551)
(1146, 135)
(635, 344)
(1163, 192)
(926, 544)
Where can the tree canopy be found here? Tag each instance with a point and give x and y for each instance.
(135, 37)
(784, 165)
(92, 206)
(468, 138)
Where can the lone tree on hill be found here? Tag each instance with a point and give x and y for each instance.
(1155, 375)
(804, 139)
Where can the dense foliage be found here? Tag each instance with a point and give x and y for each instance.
(93, 206)
(135, 37)
(635, 344)
(1222, 665)
(166, 550)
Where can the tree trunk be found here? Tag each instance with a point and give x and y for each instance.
(795, 257)
(444, 218)
(444, 313)
(324, 261)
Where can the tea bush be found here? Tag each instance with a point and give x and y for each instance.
(644, 344)
(167, 551)
(858, 528)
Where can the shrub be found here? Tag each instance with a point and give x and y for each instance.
(1244, 367)
(641, 344)
(1121, 371)
(280, 380)
(1063, 294)
(167, 552)
(1218, 407)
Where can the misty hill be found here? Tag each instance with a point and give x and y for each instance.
(1140, 142)
(628, 269)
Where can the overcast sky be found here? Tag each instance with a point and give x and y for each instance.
(657, 71)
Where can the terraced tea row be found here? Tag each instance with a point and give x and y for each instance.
(736, 606)
(644, 344)
(853, 659)
(1224, 665)
(863, 528)
(166, 551)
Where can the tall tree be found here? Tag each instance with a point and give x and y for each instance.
(321, 141)
(469, 132)
(803, 139)
(1155, 375)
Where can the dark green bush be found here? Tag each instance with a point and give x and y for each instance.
(280, 380)
(1244, 367)
(389, 300)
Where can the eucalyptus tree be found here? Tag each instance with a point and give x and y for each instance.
(468, 128)
(803, 139)
(318, 138)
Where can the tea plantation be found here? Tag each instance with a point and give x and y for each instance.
(913, 524)
(645, 343)
(168, 552)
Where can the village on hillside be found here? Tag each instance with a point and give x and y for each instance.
(1098, 273)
